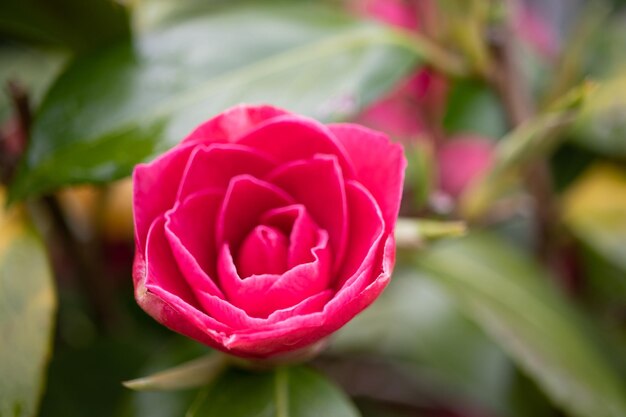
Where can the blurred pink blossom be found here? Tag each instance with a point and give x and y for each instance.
(461, 160)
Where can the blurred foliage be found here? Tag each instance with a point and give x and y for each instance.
(602, 125)
(474, 108)
(34, 69)
(74, 24)
(594, 210)
(27, 311)
(154, 90)
(418, 324)
(283, 391)
(514, 301)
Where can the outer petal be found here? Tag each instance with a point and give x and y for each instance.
(291, 138)
(154, 189)
(238, 320)
(367, 230)
(233, 123)
(379, 165)
(163, 293)
(190, 231)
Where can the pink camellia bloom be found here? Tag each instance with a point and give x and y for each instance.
(461, 160)
(400, 13)
(263, 231)
(408, 109)
(418, 101)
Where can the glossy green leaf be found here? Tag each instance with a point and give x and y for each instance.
(514, 302)
(283, 392)
(130, 102)
(77, 24)
(27, 307)
(416, 322)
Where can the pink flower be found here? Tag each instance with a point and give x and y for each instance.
(409, 109)
(400, 13)
(417, 103)
(461, 161)
(535, 31)
(263, 231)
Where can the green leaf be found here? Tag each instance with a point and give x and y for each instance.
(127, 103)
(27, 307)
(514, 302)
(164, 403)
(283, 392)
(417, 323)
(31, 68)
(195, 373)
(601, 125)
(604, 54)
(474, 108)
(77, 24)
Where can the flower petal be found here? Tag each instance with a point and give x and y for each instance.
(290, 138)
(155, 186)
(213, 166)
(237, 319)
(260, 295)
(263, 251)
(233, 123)
(303, 232)
(190, 230)
(319, 185)
(246, 199)
(379, 165)
(303, 330)
(164, 294)
(367, 230)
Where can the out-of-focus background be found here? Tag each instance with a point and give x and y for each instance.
(513, 119)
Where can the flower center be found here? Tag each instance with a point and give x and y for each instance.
(263, 251)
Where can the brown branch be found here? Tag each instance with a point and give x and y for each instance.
(515, 93)
(85, 261)
(13, 133)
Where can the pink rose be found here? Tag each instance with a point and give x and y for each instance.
(263, 231)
